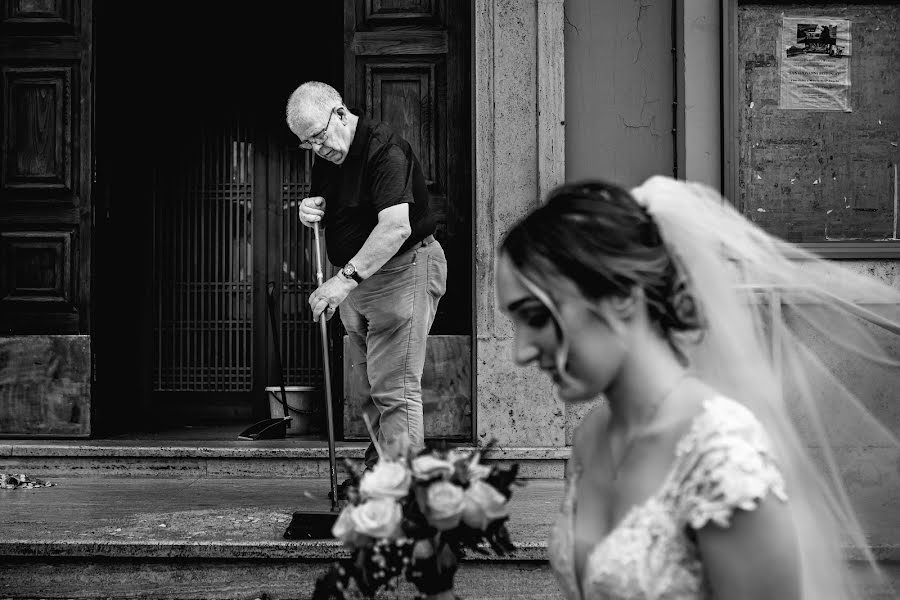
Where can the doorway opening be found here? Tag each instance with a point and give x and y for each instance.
(190, 119)
(198, 178)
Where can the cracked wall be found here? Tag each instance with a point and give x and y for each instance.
(619, 89)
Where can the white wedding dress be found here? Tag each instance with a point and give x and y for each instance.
(723, 463)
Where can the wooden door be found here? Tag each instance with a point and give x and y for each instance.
(45, 216)
(406, 62)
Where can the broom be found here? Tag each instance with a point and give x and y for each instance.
(317, 524)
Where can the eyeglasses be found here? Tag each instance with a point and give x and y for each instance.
(319, 138)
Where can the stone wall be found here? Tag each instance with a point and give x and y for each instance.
(45, 385)
(519, 154)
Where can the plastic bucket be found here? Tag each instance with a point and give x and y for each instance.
(305, 406)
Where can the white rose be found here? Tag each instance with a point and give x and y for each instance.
(482, 505)
(387, 479)
(344, 529)
(429, 466)
(445, 504)
(377, 518)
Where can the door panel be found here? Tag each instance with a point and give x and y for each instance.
(45, 101)
(38, 128)
(46, 96)
(406, 62)
(36, 17)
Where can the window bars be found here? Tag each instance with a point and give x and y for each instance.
(203, 266)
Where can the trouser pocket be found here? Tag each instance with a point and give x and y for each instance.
(437, 272)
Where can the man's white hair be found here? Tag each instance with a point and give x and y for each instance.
(311, 99)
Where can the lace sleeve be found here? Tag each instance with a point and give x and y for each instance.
(728, 464)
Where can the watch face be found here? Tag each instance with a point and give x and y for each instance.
(349, 271)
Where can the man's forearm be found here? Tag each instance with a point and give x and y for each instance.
(380, 246)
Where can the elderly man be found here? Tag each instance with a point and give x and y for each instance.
(369, 193)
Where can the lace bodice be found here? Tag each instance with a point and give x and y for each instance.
(723, 462)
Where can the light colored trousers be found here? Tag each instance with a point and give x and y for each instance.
(387, 318)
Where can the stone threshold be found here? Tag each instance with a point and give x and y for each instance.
(217, 550)
(227, 449)
(179, 459)
(318, 550)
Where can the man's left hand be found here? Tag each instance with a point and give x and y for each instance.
(327, 297)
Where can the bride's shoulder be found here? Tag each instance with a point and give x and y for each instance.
(726, 461)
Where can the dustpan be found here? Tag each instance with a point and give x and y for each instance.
(267, 429)
(274, 428)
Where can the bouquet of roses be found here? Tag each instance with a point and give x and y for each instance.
(413, 516)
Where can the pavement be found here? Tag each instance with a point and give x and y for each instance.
(204, 517)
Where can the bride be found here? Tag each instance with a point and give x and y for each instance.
(694, 478)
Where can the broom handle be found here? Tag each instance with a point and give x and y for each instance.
(329, 412)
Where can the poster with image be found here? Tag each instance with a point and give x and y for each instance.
(814, 63)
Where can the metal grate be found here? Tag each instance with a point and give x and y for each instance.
(203, 258)
(301, 347)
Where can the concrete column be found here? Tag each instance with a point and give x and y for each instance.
(519, 155)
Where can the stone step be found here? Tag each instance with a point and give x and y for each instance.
(92, 537)
(241, 579)
(221, 459)
(209, 537)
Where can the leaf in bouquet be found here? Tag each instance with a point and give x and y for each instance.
(355, 470)
(421, 494)
(415, 525)
(417, 529)
(503, 478)
(498, 537)
(478, 549)
(491, 443)
(464, 538)
(461, 473)
(372, 436)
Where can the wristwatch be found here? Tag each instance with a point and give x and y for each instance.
(349, 271)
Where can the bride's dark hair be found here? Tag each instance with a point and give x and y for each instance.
(597, 235)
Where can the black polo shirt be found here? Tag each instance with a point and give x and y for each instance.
(380, 171)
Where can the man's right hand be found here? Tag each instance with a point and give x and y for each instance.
(312, 210)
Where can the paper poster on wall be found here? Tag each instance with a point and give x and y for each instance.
(814, 63)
